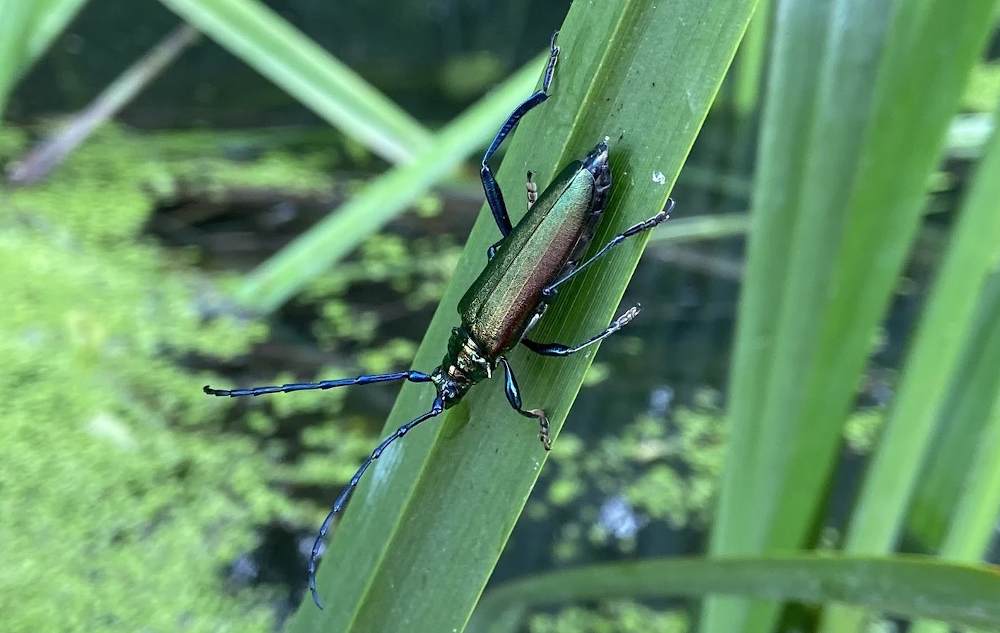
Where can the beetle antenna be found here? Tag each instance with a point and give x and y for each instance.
(345, 494)
(410, 375)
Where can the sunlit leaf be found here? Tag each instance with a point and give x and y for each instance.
(906, 587)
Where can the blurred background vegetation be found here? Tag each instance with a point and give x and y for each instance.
(156, 184)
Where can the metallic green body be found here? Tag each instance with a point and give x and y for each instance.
(503, 302)
(500, 303)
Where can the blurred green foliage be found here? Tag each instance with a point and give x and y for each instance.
(983, 88)
(123, 501)
(469, 75)
(111, 184)
(618, 616)
(126, 498)
(658, 468)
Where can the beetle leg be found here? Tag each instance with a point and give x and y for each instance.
(532, 189)
(513, 393)
(490, 187)
(345, 494)
(645, 225)
(412, 376)
(558, 349)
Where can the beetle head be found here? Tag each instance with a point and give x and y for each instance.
(451, 386)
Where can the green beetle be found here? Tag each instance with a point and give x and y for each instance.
(524, 271)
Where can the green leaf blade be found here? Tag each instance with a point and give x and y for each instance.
(16, 18)
(853, 202)
(50, 19)
(906, 586)
(276, 49)
(949, 314)
(422, 534)
(789, 103)
(960, 427)
(933, 359)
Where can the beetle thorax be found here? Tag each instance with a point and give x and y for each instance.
(462, 366)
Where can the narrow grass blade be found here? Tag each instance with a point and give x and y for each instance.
(424, 531)
(836, 207)
(906, 586)
(973, 253)
(276, 49)
(948, 316)
(787, 120)
(974, 523)
(16, 17)
(748, 67)
(50, 19)
(960, 426)
(26, 31)
(702, 227)
(378, 202)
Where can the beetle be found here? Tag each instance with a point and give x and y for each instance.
(524, 271)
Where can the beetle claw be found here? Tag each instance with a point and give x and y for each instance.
(543, 428)
(628, 315)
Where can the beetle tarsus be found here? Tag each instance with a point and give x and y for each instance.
(543, 428)
(561, 351)
(550, 67)
(532, 189)
(513, 393)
